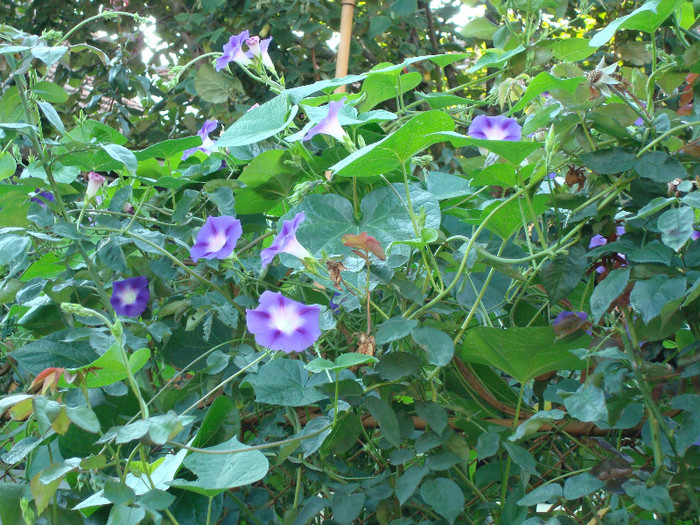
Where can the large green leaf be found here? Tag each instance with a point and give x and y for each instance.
(522, 353)
(53, 351)
(392, 151)
(384, 216)
(649, 297)
(570, 49)
(379, 87)
(216, 472)
(444, 496)
(386, 417)
(284, 382)
(509, 219)
(514, 152)
(608, 290)
(545, 82)
(587, 404)
(561, 275)
(167, 148)
(676, 226)
(259, 123)
(212, 86)
(660, 167)
(647, 18)
(609, 161)
(267, 180)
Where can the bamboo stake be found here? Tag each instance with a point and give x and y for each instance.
(341, 66)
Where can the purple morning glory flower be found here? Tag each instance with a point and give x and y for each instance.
(42, 197)
(639, 121)
(233, 51)
(286, 241)
(217, 238)
(130, 296)
(335, 307)
(695, 235)
(597, 240)
(258, 48)
(565, 315)
(567, 323)
(95, 181)
(495, 128)
(207, 144)
(279, 323)
(329, 124)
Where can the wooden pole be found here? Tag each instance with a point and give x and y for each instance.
(341, 66)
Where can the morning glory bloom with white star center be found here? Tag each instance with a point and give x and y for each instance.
(280, 323)
(130, 297)
(217, 238)
(495, 128)
(233, 51)
(286, 242)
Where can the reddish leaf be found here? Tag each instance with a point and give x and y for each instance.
(365, 242)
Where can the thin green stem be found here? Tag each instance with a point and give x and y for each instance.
(224, 383)
(21, 88)
(265, 446)
(463, 262)
(663, 136)
(104, 14)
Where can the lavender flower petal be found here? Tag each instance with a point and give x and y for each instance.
(233, 51)
(207, 144)
(42, 197)
(280, 323)
(329, 124)
(286, 241)
(495, 128)
(217, 238)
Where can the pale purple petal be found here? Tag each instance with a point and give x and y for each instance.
(217, 238)
(130, 297)
(209, 126)
(207, 144)
(42, 197)
(95, 181)
(329, 124)
(286, 241)
(258, 48)
(233, 51)
(566, 314)
(597, 240)
(280, 323)
(495, 128)
(695, 235)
